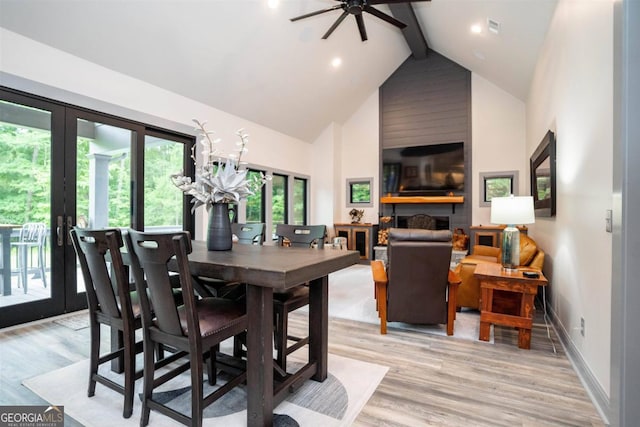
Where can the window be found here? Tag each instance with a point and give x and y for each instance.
(299, 201)
(162, 204)
(255, 211)
(278, 200)
(497, 184)
(359, 192)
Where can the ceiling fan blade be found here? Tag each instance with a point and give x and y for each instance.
(393, 1)
(335, 25)
(317, 12)
(384, 16)
(361, 28)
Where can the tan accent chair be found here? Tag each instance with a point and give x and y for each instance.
(531, 256)
(418, 287)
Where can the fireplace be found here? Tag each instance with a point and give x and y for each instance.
(442, 222)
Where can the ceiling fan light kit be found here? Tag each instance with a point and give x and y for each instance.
(356, 8)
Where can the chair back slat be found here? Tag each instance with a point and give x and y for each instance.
(33, 232)
(96, 250)
(248, 234)
(301, 235)
(150, 255)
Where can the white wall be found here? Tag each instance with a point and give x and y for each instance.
(54, 73)
(498, 135)
(326, 177)
(360, 156)
(572, 94)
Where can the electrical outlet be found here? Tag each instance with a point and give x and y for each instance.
(582, 326)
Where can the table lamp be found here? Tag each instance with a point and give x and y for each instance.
(511, 211)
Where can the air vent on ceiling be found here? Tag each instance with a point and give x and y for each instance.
(494, 26)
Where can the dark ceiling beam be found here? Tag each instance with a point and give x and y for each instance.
(412, 33)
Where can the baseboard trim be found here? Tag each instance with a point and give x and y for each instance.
(592, 386)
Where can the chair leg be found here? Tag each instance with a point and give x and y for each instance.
(238, 342)
(42, 265)
(93, 356)
(381, 304)
(212, 371)
(196, 390)
(281, 337)
(147, 380)
(129, 372)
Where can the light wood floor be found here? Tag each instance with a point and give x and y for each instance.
(432, 380)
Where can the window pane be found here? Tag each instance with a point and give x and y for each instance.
(360, 192)
(497, 187)
(103, 196)
(25, 210)
(299, 201)
(279, 200)
(162, 200)
(255, 202)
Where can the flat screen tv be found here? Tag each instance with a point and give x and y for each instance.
(425, 170)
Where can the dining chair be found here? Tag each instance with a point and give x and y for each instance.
(197, 327)
(110, 303)
(32, 235)
(248, 234)
(297, 297)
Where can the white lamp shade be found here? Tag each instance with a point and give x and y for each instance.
(512, 210)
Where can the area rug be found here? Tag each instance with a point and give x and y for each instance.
(335, 402)
(351, 297)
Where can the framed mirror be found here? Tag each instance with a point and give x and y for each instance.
(543, 176)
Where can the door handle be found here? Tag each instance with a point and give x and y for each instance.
(69, 227)
(60, 230)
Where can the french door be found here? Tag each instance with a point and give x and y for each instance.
(64, 167)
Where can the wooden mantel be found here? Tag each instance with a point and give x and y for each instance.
(399, 200)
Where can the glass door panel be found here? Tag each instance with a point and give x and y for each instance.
(26, 144)
(163, 202)
(25, 168)
(103, 176)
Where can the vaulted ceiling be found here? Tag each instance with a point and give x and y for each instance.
(248, 59)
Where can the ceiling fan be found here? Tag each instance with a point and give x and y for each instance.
(355, 8)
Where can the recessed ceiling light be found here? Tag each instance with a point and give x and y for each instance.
(336, 62)
(272, 4)
(476, 28)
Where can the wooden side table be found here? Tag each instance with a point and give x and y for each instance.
(493, 277)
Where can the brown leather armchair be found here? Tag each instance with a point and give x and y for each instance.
(531, 256)
(418, 287)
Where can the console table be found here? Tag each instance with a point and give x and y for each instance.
(360, 237)
(493, 278)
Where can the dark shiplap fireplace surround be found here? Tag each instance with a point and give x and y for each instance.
(425, 102)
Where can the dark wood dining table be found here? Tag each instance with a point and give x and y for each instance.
(265, 269)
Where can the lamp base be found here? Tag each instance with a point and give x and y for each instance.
(510, 248)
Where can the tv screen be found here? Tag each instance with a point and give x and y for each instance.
(425, 170)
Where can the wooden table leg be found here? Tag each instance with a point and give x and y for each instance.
(487, 301)
(319, 326)
(260, 356)
(526, 311)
